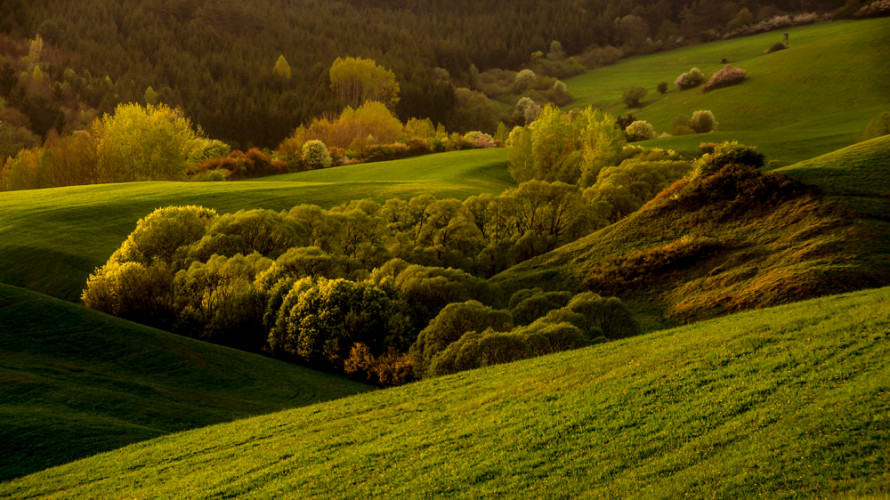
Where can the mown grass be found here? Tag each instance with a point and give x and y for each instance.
(52, 239)
(798, 103)
(75, 382)
(782, 403)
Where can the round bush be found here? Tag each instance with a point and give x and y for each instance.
(315, 155)
(639, 130)
(703, 121)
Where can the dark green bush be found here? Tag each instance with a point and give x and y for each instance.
(449, 326)
(632, 96)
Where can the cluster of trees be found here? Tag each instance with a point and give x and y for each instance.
(156, 142)
(136, 143)
(249, 76)
(324, 288)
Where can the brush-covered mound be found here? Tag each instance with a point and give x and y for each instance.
(735, 240)
(52, 239)
(780, 402)
(76, 382)
(811, 99)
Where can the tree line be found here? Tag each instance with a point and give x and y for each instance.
(250, 75)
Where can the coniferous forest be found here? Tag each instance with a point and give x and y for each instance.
(217, 60)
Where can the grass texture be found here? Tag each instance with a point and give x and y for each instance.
(76, 382)
(784, 402)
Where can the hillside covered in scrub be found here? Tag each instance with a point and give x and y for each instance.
(632, 249)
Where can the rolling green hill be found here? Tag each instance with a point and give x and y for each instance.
(76, 382)
(782, 402)
(752, 245)
(52, 239)
(798, 103)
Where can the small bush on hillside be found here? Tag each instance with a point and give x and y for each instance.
(689, 80)
(877, 127)
(624, 120)
(776, 47)
(315, 155)
(727, 76)
(632, 96)
(662, 87)
(879, 8)
(726, 153)
(681, 125)
(703, 121)
(639, 130)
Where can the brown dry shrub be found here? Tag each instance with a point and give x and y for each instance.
(638, 268)
(390, 369)
(729, 75)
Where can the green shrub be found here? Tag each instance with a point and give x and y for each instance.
(689, 80)
(681, 125)
(662, 87)
(537, 304)
(315, 155)
(727, 153)
(161, 233)
(703, 121)
(449, 326)
(632, 96)
(639, 130)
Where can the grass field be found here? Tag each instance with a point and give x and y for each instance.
(798, 103)
(781, 403)
(76, 382)
(52, 239)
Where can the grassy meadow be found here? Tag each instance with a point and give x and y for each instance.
(797, 103)
(76, 382)
(782, 403)
(54, 238)
(779, 402)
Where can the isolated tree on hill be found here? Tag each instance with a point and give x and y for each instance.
(632, 96)
(143, 143)
(356, 80)
(315, 155)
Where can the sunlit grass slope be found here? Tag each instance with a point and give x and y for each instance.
(858, 173)
(74, 382)
(52, 239)
(783, 402)
(808, 100)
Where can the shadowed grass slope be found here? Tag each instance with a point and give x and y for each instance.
(808, 100)
(741, 241)
(52, 239)
(783, 402)
(74, 382)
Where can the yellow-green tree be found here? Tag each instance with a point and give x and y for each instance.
(282, 68)
(356, 80)
(143, 143)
